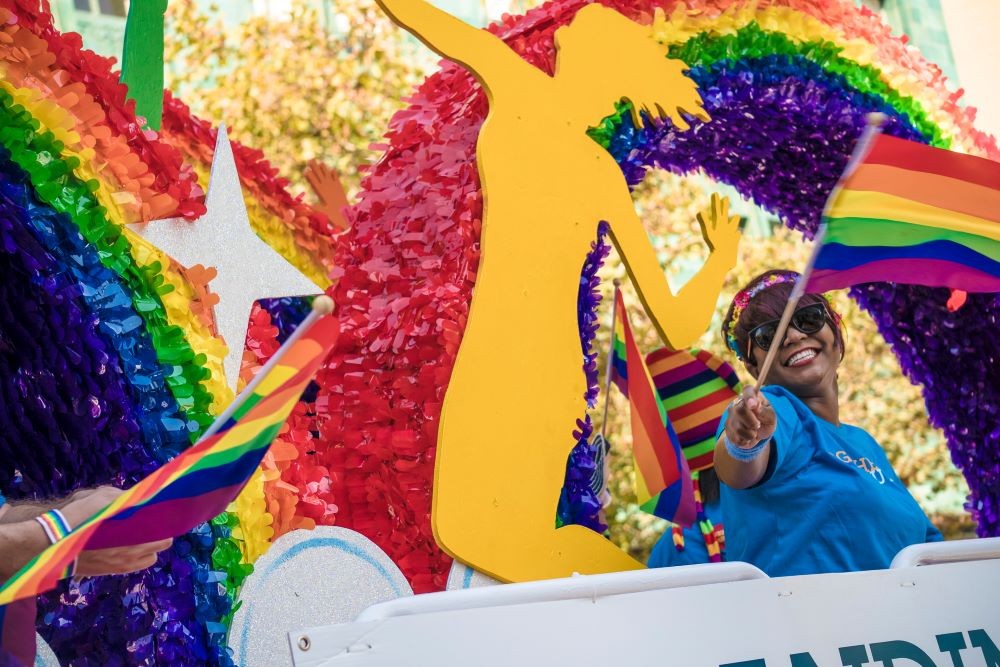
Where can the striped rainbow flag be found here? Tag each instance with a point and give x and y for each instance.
(911, 213)
(694, 387)
(201, 482)
(663, 481)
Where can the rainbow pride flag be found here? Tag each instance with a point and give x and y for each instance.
(694, 387)
(911, 213)
(663, 480)
(200, 482)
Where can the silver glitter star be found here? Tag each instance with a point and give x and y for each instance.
(248, 268)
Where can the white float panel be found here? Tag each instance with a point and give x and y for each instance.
(326, 575)
(750, 623)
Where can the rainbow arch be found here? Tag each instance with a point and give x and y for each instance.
(787, 83)
(110, 363)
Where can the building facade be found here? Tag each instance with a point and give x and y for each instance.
(102, 22)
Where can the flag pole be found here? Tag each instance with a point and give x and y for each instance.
(861, 149)
(611, 356)
(321, 305)
(786, 316)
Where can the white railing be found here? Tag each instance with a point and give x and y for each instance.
(935, 602)
(956, 551)
(581, 587)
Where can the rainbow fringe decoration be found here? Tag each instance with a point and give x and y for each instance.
(200, 482)
(76, 166)
(915, 214)
(663, 481)
(694, 388)
(712, 534)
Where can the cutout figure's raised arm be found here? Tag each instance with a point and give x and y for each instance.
(479, 51)
(679, 318)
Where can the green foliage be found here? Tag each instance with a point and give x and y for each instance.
(295, 88)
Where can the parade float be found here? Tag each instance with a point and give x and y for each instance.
(446, 440)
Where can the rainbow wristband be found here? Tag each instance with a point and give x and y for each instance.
(54, 524)
(745, 455)
(57, 527)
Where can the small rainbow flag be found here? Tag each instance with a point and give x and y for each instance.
(202, 480)
(663, 481)
(695, 387)
(911, 213)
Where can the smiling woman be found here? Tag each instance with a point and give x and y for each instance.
(802, 492)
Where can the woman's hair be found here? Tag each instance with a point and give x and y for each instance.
(763, 299)
(708, 484)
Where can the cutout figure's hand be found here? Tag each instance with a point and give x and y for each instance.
(325, 182)
(689, 105)
(692, 108)
(720, 230)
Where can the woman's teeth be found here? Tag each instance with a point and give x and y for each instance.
(801, 357)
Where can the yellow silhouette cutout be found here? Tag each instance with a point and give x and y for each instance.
(517, 386)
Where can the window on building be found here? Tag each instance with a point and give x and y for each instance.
(104, 7)
(112, 7)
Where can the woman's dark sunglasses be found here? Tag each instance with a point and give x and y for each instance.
(808, 319)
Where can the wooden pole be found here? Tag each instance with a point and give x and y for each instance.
(786, 316)
(611, 355)
(321, 305)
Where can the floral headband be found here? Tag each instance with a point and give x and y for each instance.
(742, 300)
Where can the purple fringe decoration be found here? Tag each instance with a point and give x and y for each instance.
(578, 504)
(84, 402)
